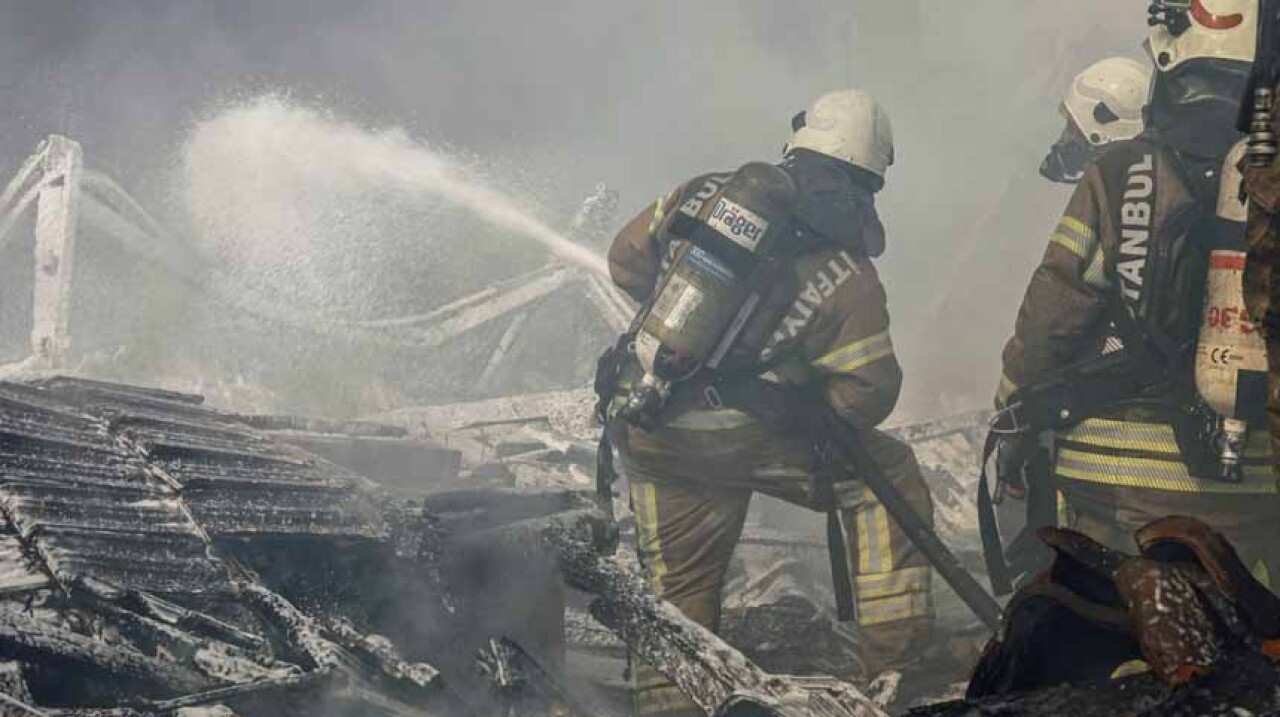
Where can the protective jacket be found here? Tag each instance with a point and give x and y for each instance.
(1133, 232)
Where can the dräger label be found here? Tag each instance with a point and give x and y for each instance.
(741, 225)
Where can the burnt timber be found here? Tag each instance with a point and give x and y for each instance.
(157, 555)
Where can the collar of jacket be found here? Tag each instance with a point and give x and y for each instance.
(836, 202)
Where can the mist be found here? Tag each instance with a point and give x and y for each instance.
(541, 101)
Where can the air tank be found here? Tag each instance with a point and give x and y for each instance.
(1231, 358)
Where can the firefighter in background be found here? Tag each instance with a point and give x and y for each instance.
(824, 326)
(1104, 105)
(1122, 266)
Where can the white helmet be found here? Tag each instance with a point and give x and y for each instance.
(1105, 101)
(849, 125)
(1210, 29)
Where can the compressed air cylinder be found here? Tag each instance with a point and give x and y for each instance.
(711, 277)
(1231, 359)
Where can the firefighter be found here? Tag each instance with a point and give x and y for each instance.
(823, 331)
(1122, 267)
(1104, 105)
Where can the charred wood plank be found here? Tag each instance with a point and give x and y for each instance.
(383, 655)
(219, 661)
(25, 638)
(717, 677)
(302, 634)
(474, 510)
(245, 695)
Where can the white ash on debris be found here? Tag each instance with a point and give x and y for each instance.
(778, 602)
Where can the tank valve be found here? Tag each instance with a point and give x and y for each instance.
(1231, 441)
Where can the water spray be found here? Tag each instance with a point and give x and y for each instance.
(272, 135)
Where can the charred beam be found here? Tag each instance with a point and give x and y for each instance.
(25, 638)
(383, 655)
(143, 605)
(301, 633)
(718, 678)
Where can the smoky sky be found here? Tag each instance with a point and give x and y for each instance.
(641, 95)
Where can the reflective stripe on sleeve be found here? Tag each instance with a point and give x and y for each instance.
(1007, 388)
(659, 214)
(1096, 274)
(1076, 237)
(860, 353)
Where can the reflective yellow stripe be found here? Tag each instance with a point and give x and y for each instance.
(1071, 224)
(659, 213)
(711, 420)
(851, 357)
(1262, 573)
(1125, 435)
(901, 607)
(1076, 237)
(864, 541)
(1096, 274)
(886, 546)
(898, 582)
(1156, 474)
(1129, 669)
(647, 678)
(779, 471)
(1156, 439)
(1071, 244)
(1007, 387)
(875, 553)
(644, 498)
(664, 700)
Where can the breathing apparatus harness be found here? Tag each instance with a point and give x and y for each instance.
(737, 236)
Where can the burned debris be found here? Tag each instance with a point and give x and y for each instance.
(1182, 628)
(716, 676)
(160, 555)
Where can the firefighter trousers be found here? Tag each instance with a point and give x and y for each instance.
(686, 532)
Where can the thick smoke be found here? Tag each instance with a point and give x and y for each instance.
(545, 99)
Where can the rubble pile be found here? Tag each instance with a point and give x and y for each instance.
(159, 556)
(778, 602)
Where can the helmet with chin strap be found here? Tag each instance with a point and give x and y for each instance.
(1105, 104)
